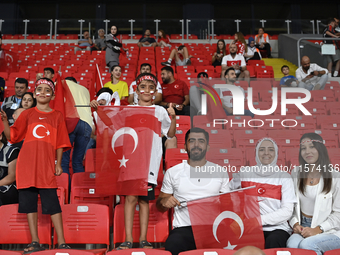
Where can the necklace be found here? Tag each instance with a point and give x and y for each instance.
(311, 181)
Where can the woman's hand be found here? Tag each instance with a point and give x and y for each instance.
(307, 232)
(297, 228)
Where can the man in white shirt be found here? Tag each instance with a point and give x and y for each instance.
(311, 76)
(133, 97)
(179, 186)
(236, 61)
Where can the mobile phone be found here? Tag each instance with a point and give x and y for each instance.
(312, 73)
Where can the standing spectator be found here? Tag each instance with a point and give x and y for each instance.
(329, 32)
(253, 53)
(146, 40)
(219, 54)
(100, 43)
(175, 92)
(48, 73)
(241, 43)
(85, 43)
(12, 103)
(181, 56)
(28, 101)
(236, 61)
(163, 39)
(114, 48)
(116, 85)
(262, 41)
(311, 76)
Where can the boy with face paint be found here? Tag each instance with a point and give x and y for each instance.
(146, 89)
(46, 136)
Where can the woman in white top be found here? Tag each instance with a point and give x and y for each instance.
(275, 192)
(316, 218)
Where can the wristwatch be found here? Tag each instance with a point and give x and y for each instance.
(321, 228)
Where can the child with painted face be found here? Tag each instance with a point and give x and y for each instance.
(146, 89)
(45, 134)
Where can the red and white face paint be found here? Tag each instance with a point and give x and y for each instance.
(48, 95)
(152, 92)
(142, 91)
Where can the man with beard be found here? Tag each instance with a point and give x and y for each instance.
(175, 92)
(180, 184)
(311, 76)
(226, 95)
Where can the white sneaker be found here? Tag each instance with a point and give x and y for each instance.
(330, 75)
(317, 87)
(335, 74)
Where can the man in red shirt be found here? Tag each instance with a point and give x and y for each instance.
(175, 92)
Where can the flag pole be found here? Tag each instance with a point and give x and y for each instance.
(100, 78)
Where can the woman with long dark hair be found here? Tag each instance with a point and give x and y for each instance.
(316, 218)
(219, 54)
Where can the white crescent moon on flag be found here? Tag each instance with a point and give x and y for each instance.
(124, 131)
(226, 215)
(35, 131)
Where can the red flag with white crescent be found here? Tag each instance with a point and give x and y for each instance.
(124, 143)
(232, 222)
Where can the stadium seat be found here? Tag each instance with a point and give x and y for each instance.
(208, 252)
(333, 108)
(4, 252)
(328, 122)
(236, 123)
(203, 121)
(174, 156)
(260, 85)
(303, 122)
(322, 95)
(158, 228)
(247, 138)
(250, 157)
(183, 122)
(285, 138)
(220, 138)
(292, 251)
(62, 252)
(256, 62)
(63, 186)
(139, 252)
(315, 108)
(242, 84)
(333, 252)
(90, 160)
(334, 155)
(330, 137)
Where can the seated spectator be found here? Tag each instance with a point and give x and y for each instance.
(235, 61)
(175, 92)
(28, 101)
(253, 53)
(133, 97)
(241, 43)
(163, 39)
(288, 80)
(329, 32)
(12, 103)
(48, 73)
(85, 43)
(181, 56)
(311, 76)
(146, 40)
(8, 155)
(262, 41)
(100, 43)
(219, 54)
(116, 85)
(226, 95)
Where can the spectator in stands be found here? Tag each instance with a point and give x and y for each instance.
(178, 187)
(146, 40)
(163, 39)
(116, 85)
(241, 43)
(275, 189)
(226, 95)
(235, 61)
(17, 113)
(12, 103)
(85, 43)
(262, 41)
(28, 101)
(288, 80)
(219, 54)
(147, 83)
(2, 88)
(316, 217)
(48, 73)
(114, 48)
(133, 97)
(81, 134)
(2, 56)
(253, 53)
(180, 55)
(100, 43)
(311, 76)
(8, 161)
(175, 92)
(329, 32)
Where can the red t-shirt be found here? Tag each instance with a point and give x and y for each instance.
(166, 40)
(175, 92)
(44, 133)
(240, 48)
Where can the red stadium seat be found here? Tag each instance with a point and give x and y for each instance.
(333, 108)
(260, 85)
(292, 157)
(333, 252)
(174, 156)
(330, 137)
(90, 160)
(183, 122)
(231, 158)
(328, 122)
(63, 185)
(247, 138)
(322, 95)
(139, 252)
(220, 138)
(251, 70)
(303, 122)
(256, 62)
(292, 251)
(242, 84)
(285, 138)
(202, 121)
(208, 252)
(315, 108)
(61, 251)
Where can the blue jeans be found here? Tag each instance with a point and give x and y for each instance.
(79, 138)
(246, 113)
(318, 243)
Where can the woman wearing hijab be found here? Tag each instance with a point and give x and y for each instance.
(316, 218)
(252, 52)
(275, 191)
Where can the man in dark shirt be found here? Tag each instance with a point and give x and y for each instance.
(146, 40)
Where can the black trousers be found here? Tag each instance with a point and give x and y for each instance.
(180, 240)
(267, 48)
(276, 238)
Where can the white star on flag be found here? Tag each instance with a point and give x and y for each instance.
(123, 161)
(48, 132)
(230, 247)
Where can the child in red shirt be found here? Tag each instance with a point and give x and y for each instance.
(45, 135)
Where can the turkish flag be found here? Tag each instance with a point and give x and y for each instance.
(95, 87)
(233, 221)
(124, 142)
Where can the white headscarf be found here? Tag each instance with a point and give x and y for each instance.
(271, 168)
(108, 98)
